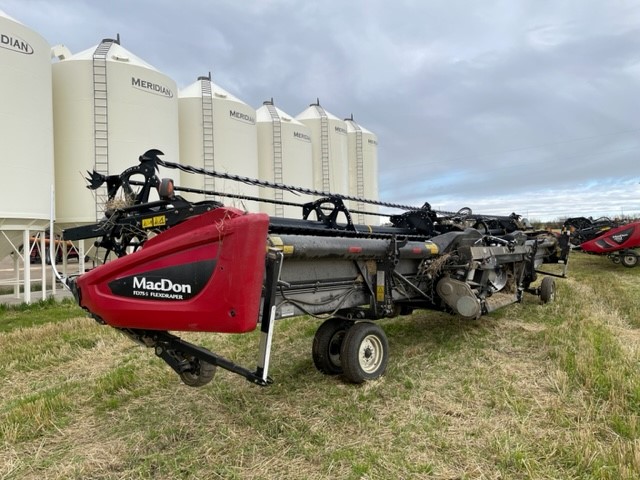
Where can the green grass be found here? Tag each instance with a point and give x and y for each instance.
(36, 415)
(530, 392)
(28, 315)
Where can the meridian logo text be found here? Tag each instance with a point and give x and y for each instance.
(151, 87)
(242, 116)
(302, 136)
(15, 44)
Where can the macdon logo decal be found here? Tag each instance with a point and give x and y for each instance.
(151, 87)
(15, 44)
(163, 288)
(620, 237)
(178, 282)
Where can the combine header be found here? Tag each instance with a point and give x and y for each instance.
(172, 265)
(606, 237)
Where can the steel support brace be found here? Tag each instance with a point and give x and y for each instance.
(168, 342)
(165, 342)
(563, 275)
(274, 265)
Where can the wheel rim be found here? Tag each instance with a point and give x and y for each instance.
(630, 259)
(370, 354)
(200, 374)
(193, 375)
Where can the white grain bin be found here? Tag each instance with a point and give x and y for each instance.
(26, 123)
(285, 156)
(363, 171)
(109, 107)
(329, 141)
(218, 132)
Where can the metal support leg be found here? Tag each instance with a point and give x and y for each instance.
(26, 250)
(165, 343)
(274, 263)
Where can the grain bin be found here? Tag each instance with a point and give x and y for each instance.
(218, 132)
(26, 122)
(329, 142)
(109, 107)
(285, 156)
(363, 170)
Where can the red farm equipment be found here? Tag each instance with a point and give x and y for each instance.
(605, 237)
(171, 265)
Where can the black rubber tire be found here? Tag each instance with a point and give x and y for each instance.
(629, 259)
(327, 344)
(615, 259)
(548, 290)
(166, 188)
(365, 352)
(482, 227)
(202, 373)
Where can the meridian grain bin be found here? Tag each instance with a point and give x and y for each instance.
(285, 156)
(26, 122)
(218, 132)
(109, 107)
(363, 171)
(329, 141)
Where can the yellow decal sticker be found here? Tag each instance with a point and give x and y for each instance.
(380, 286)
(157, 221)
(278, 244)
(432, 247)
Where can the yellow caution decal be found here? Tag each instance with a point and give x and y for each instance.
(152, 222)
(380, 286)
(432, 247)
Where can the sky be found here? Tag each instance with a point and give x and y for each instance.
(526, 106)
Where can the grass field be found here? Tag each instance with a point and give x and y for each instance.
(532, 391)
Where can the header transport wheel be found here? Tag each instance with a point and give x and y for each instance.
(327, 344)
(364, 353)
(199, 374)
(629, 259)
(547, 290)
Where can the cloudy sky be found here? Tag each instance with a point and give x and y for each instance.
(529, 106)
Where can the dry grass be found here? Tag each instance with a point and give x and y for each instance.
(540, 392)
